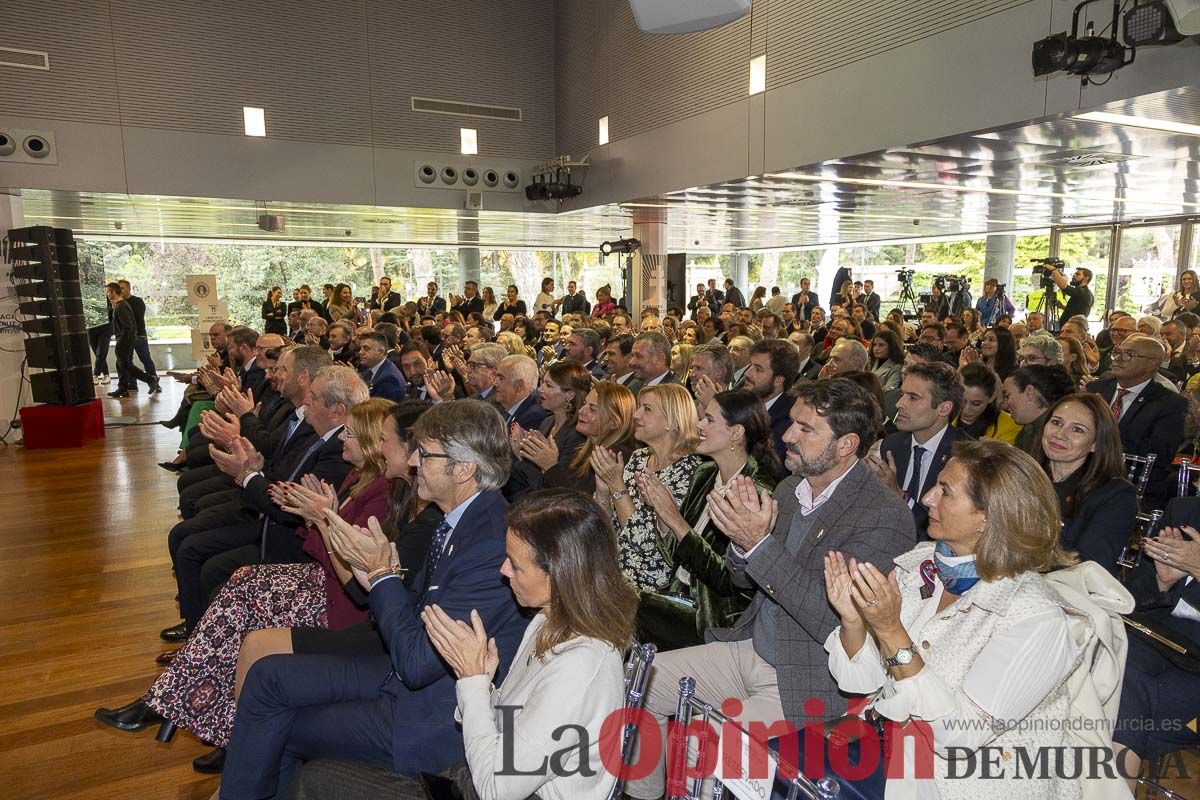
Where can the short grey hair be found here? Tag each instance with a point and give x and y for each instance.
(471, 432)
(523, 368)
(718, 355)
(1045, 344)
(310, 358)
(342, 385)
(857, 355)
(490, 354)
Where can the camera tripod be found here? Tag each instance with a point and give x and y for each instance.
(1048, 306)
(908, 300)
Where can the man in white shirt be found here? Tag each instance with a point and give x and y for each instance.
(739, 352)
(773, 659)
(911, 459)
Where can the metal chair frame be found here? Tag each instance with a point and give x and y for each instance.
(637, 675)
(1144, 525)
(1189, 476)
(1139, 464)
(686, 709)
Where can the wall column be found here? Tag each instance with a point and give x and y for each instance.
(648, 283)
(12, 338)
(998, 261)
(468, 257)
(741, 274)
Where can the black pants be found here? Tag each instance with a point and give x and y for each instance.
(98, 339)
(127, 372)
(141, 348)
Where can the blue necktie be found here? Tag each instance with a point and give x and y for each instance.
(913, 492)
(435, 553)
(293, 423)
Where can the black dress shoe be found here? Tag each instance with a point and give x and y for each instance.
(211, 763)
(155, 388)
(119, 393)
(171, 466)
(132, 717)
(168, 423)
(174, 634)
(165, 658)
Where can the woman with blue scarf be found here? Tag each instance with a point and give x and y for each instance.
(966, 644)
(992, 305)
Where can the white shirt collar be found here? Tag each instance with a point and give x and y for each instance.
(934, 442)
(1131, 393)
(808, 503)
(659, 379)
(375, 369)
(771, 402)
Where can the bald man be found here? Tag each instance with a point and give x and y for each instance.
(1150, 416)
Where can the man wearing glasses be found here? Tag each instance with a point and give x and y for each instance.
(1039, 349)
(1119, 330)
(1150, 416)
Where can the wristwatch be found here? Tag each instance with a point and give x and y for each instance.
(903, 656)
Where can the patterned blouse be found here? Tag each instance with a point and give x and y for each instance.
(637, 540)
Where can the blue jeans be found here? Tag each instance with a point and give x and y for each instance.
(141, 348)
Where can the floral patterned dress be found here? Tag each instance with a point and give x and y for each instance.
(637, 540)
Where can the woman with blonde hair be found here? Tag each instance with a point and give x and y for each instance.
(1076, 362)
(969, 630)
(681, 361)
(666, 423)
(511, 342)
(605, 420)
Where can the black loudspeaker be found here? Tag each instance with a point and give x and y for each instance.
(46, 264)
(677, 295)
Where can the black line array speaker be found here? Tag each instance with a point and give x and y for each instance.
(677, 290)
(46, 266)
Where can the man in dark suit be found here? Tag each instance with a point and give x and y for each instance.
(395, 710)
(378, 372)
(650, 360)
(385, 299)
(1150, 416)
(772, 370)
(805, 300)
(773, 659)
(431, 303)
(809, 366)
(583, 347)
(912, 458)
(733, 294)
(470, 303)
(141, 345)
(870, 299)
(125, 328)
(714, 296)
(574, 301)
(307, 303)
(341, 344)
(516, 392)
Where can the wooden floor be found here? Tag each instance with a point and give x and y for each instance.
(85, 586)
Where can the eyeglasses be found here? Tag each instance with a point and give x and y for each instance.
(347, 434)
(1032, 360)
(1125, 355)
(422, 455)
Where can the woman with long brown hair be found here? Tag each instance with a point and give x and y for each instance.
(1080, 449)
(605, 420)
(274, 312)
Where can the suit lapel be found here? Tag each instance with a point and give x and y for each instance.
(832, 509)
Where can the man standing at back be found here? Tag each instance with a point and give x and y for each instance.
(125, 330)
(774, 364)
(773, 659)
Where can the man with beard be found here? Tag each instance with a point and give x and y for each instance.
(773, 659)
(774, 364)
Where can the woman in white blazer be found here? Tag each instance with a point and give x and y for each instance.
(966, 644)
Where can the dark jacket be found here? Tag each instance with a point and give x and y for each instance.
(390, 301)
(514, 309)
(274, 318)
(804, 304)
(124, 327)
(473, 305)
(781, 419)
(672, 624)
(388, 382)
(526, 476)
(1154, 424)
(899, 445)
(529, 414)
(1102, 523)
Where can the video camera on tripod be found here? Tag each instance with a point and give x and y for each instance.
(1042, 267)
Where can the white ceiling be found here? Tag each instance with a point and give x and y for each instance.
(1029, 176)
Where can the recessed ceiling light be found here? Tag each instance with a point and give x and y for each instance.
(603, 130)
(1140, 122)
(758, 74)
(470, 141)
(255, 120)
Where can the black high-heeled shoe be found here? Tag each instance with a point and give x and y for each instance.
(166, 731)
(133, 716)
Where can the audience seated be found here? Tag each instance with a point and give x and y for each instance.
(774, 365)
(665, 423)
(383, 378)
(557, 441)
(768, 659)
(1027, 395)
(887, 358)
(734, 432)
(1006, 654)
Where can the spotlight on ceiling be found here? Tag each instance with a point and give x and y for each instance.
(1081, 55)
(620, 246)
(554, 180)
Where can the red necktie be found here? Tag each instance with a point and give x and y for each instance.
(1118, 403)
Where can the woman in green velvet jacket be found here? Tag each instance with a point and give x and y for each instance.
(735, 432)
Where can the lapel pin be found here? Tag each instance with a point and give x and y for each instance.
(820, 533)
(450, 552)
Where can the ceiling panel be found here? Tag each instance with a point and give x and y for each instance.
(1027, 176)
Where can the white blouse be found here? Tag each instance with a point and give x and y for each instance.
(998, 656)
(579, 683)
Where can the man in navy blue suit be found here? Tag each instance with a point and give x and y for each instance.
(912, 458)
(382, 377)
(395, 710)
(516, 392)
(774, 364)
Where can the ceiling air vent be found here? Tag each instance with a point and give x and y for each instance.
(1085, 159)
(24, 59)
(429, 105)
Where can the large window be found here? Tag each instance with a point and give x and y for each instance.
(1091, 249)
(1148, 262)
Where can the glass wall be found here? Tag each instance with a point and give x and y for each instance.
(1147, 267)
(1091, 249)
